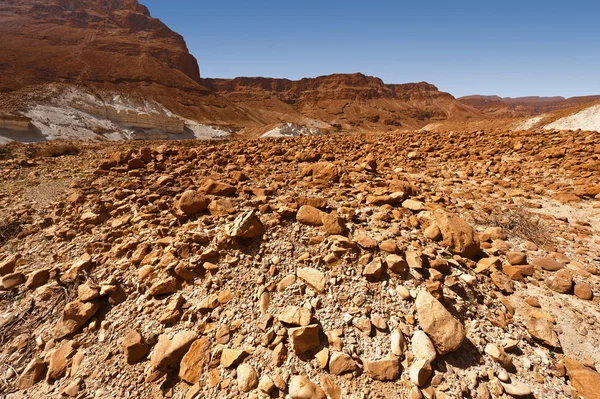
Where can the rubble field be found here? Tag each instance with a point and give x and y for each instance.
(408, 265)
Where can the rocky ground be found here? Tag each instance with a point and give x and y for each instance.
(415, 265)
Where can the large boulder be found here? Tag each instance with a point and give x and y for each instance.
(446, 333)
(457, 234)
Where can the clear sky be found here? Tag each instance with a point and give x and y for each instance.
(503, 47)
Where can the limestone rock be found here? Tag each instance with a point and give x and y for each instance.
(422, 347)
(295, 315)
(247, 225)
(134, 347)
(420, 371)
(373, 270)
(312, 277)
(302, 388)
(382, 370)
(247, 378)
(543, 330)
(31, 374)
(340, 363)
(457, 234)
(585, 380)
(309, 215)
(192, 202)
(549, 264)
(446, 333)
(74, 316)
(232, 357)
(170, 350)
(304, 339)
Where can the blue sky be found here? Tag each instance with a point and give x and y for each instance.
(503, 47)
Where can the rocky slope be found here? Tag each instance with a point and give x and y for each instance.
(390, 265)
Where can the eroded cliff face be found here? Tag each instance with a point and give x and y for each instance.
(96, 41)
(347, 101)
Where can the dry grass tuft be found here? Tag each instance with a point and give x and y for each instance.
(522, 223)
(9, 230)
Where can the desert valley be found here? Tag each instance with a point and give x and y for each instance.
(165, 234)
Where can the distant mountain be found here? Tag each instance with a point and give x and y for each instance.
(498, 107)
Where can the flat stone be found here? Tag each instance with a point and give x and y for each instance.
(74, 316)
(312, 277)
(382, 370)
(547, 264)
(340, 363)
(516, 388)
(232, 357)
(543, 330)
(420, 371)
(295, 315)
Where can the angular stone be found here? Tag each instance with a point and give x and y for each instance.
(414, 259)
(516, 388)
(247, 225)
(312, 277)
(212, 187)
(169, 351)
(585, 380)
(398, 343)
(164, 286)
(295, 315)
(304, 339)
(74, 316)
(37, 278)
(192, 202)
(498, 354)
(446, 333)
(457, 234)
(7, 266)
(333, 224)
(13, 280)
(543, 330)
(503, 282)
(516, 258)
(232, 357)
(373, 270)
(340, 363)
(59, 361)
(422, 347)
(32, 373)
(382, 370)
(420, 371)
(561, 282)
(134, 347)
(396, 264)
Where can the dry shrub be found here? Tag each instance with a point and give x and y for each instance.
(57, 150)
(522, 223)
(9, 230)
